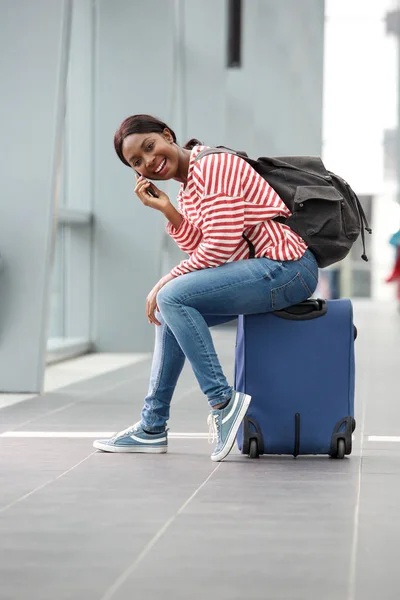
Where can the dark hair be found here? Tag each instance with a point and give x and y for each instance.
(143, 124)
(192, 143)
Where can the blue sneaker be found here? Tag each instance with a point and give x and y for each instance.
(134, 439)
(224, 424)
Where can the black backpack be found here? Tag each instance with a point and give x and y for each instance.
(326, 212)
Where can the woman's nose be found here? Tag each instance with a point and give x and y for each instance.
(150, 163)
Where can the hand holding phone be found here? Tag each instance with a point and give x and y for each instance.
(151, 188)
(149, 194)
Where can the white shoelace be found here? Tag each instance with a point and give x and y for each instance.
(213, 428)
(127, 431)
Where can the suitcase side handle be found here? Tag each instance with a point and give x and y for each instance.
(304, 311)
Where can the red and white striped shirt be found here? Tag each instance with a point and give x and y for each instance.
(223, 198)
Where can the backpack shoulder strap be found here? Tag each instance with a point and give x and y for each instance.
(218, 150)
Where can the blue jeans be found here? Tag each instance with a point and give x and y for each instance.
(192, 303)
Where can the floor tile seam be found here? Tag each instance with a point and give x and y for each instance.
(132, 567)
(3, 509)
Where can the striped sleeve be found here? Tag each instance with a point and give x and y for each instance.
(219, 181)
(187, 236)
(221, 235)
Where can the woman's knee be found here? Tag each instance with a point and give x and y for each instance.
(168, 295)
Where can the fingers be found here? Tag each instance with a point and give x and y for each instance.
(141, 188)
(151, 306)
(141, 181)
(152, 319)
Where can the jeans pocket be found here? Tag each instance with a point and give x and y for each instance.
(294, 291)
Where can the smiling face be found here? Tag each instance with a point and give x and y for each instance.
(153, 155)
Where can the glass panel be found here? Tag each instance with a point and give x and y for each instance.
(69, 330)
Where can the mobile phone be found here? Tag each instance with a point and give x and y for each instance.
(150, 190)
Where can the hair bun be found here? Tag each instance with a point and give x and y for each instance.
(192, 143)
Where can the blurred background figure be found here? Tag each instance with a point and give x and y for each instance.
(394, 277)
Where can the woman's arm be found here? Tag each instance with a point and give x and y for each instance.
(223, 219)
(185, 234)
(173, 216)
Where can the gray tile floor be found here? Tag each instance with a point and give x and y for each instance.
(82, 525)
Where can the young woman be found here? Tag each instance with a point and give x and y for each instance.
(221, 197)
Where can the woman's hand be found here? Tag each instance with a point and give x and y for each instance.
(142, 191)
(151, 301)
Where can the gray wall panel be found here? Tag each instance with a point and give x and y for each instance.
(33, 45)
(205, 70)
(288, 76)
(134, 74)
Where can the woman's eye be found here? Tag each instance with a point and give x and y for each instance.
(150, 146)
(136, 163)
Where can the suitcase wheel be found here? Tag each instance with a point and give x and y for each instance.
(341, 441)
(341, 449)
(253, 449)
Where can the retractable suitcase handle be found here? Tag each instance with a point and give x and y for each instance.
(304, 311)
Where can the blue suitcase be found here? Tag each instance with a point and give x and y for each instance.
(298, 366)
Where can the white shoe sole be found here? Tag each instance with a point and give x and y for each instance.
(142, 449)
(232, 436)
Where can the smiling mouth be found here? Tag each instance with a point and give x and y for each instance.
(161, 166)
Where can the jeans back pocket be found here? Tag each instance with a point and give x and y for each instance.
(294, 291)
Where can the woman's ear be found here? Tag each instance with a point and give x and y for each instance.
(168, 136)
